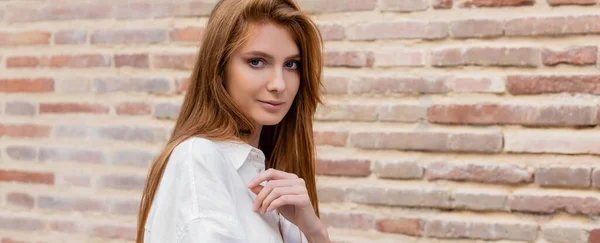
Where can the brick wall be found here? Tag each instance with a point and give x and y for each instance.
(467, 121)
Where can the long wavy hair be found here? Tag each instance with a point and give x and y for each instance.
(208, 111)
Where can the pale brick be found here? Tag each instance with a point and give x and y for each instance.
(565, 233)
(20, 108)
(476, 28)
(398, 30)
(331, 193)
(399, 58)
(402, 112)
(348, 220)
(562, 142)
(403, 5)
(399, 84)
(551, 202)
(563, 176)
(346, 111)
(167, 110)
(480, 200)
(402, 196)
(398, 169)
(21, 152)
(577, 55)
(508, 174)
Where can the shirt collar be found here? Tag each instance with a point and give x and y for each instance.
(238, 153)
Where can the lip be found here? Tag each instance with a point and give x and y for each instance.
(272, 102)
(271, 105)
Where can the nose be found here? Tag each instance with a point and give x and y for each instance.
(276, 81)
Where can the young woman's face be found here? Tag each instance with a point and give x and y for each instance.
(263, 76)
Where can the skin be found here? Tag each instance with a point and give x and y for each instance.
(267, 68)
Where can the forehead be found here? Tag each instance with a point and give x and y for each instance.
(270, 38)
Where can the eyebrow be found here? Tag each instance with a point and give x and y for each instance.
(267, 56)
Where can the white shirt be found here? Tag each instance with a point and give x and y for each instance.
(203, 197)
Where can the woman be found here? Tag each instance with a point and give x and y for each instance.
(252, 95)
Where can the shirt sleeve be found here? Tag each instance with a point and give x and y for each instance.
(214, 216)
(291, 232)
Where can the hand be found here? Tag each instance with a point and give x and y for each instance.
(287, 193)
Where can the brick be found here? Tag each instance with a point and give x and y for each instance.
(398, 169)
(476, 28)
(20, 223)
(11, 240)
(132, 60)
(167, 110)
(70, 37)
(570, 2)
(19, 199)
(510, 230)
(131, 134)
(331, 31)
(552, 26)
(564, 233)
(132, 158)
(596, 178)
(65, 226)
(24, 38)
(174, 61)
(486, 56)
(595, 236)
(141, 10)
(343, 167)
(27, 177)
(348, 59)
(36, 85)
(187, 34)
(442, 4)
(331, 193)
(489, 114)
(62, 108)
(446, 228)
(125, 207)
(504, 174)
(57, 12)
(24, 130)
(408, 196)
(403, 6)
(73, 85)
(405, 226)
(348, 220)
(551, 202)
(344, 111)
(69, 180)
(17, 152)
(129, 36)
(133, 108)
(399, 84)
(402, 112)
(335, 84)
(398, 30)
(483, 142)
(153, 86)
(578, 55)
(22, 62)
(391, 57)
(477, 84)
(80, 61)
(113, 232)
(561, 142)
(123, 182)
(80, 155)
(71, 204)
(332, 138)
(316, 6)
(563, 176)
(20, 108)
(538, 84)
(497, 3)
(479, 200)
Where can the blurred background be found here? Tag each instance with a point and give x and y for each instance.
(445, 121)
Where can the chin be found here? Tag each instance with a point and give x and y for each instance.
(268, 119)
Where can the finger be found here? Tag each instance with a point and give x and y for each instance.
(270, 174)
(278, 192)
(267, 189)
(297, 200)
(257, 189)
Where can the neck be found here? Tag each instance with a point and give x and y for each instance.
(255, 137)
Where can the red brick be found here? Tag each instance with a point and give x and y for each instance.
(392, 57)
(132, 60)
(442, 4)
(23, 62)
(596, 178)
(27, 177)
(311, 6)
(595, 236)
(346, 111)
(348, 220)
(480, 142)
(398, 169)
(71, 204)
(62, 108)
(497, 3)
(504, 174)
(399, 84)
(551, 202)
(24, 38)
(36, 85)
(330, 138)
(21, 224)
(124, 182)
(341, 167)
(56, 12)
(348, 59)
(152, 86)
(331, 31)
(408, 195)
(563, 176)
(81, 155)
(11, 240)
(489, 114)
(129, 36)
(70, 37)
(480, 200)
(187, 34)
(579, 55)
(114, 232)
(24, 130)
(552, 26)
(80, 61)
(476, 28)
(571, 2)
(405, 226)
(134, 108)
(20, 108)
(486, 56)
(538, 84)
(403, 6)
(174, 61)
(20, 199)
(398, 30)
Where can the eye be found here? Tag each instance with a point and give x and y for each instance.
(256, 63)
(293, 65)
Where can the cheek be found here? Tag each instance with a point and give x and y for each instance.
(293, 82)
